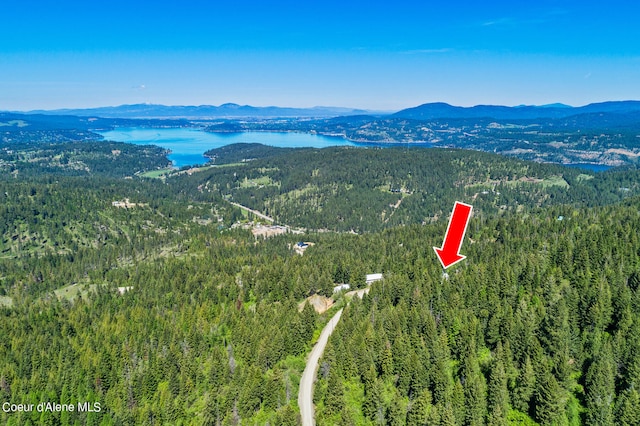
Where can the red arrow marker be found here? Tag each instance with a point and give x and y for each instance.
(449, 254)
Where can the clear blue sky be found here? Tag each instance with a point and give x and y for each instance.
(376, 55)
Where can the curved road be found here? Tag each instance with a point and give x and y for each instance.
(305, 394)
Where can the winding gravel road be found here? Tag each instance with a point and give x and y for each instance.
(305, 395)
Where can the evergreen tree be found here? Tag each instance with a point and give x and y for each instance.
(525, 387)
(498, 396)
(287, 416)
(395, 414)
(211, 414)
(446, 416)
(372, 407)
(475, 390)
(600, 388)
(550, 399)
(334, 397)
(627, 412)
(386, 362)
(420, 409)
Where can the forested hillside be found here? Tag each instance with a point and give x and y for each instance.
(153, 299)
(351, 189)
(106, 159)
(152, 307)
(540, 322)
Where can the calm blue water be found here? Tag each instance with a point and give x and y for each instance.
(187, 145)
(590, 166)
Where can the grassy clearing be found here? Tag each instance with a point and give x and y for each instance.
(192, 170)
(555, 181)
(297, 193)
(546, 182)
(582, 177)
(72, 291)
(156, 174)
(261, 181)
(6, 301)
(228, 165)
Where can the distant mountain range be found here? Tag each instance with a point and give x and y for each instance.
(600, 133)
(440, 110)
(228, 110)
(429, 111)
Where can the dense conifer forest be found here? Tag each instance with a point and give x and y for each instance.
(354, 189)
(152, 298)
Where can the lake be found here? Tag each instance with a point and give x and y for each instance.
(188, 144)
(590, 166)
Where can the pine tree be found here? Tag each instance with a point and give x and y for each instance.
(274, 395)
(456, 403)
(287, 416)
(345, 417)
(475, 388)
(211, 413)
(550, 400)
(309, 320)
(251, 392)
(372, 404)
(600, 388)
(498, 396)
(386, 362)
(441, 370)
(628, 408)
(420, 409)
(395, 414)
(446, 416)
(525, 387)
(420, 375)
(334, 398)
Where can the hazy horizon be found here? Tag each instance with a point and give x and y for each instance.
(337, 107)
(383, 57)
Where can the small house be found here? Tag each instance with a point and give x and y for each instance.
(371, 278)
(341, 287)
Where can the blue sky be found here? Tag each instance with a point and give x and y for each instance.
(374, 55)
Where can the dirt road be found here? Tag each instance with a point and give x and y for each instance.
(360, 293)
(305, 395)
(255, 212)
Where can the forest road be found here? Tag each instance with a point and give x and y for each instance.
(360, 293)
(256, 212)
(305, 395)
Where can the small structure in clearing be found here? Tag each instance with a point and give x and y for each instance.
(126, 204)
(371, 278)
(301, 246)
(341, 287)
